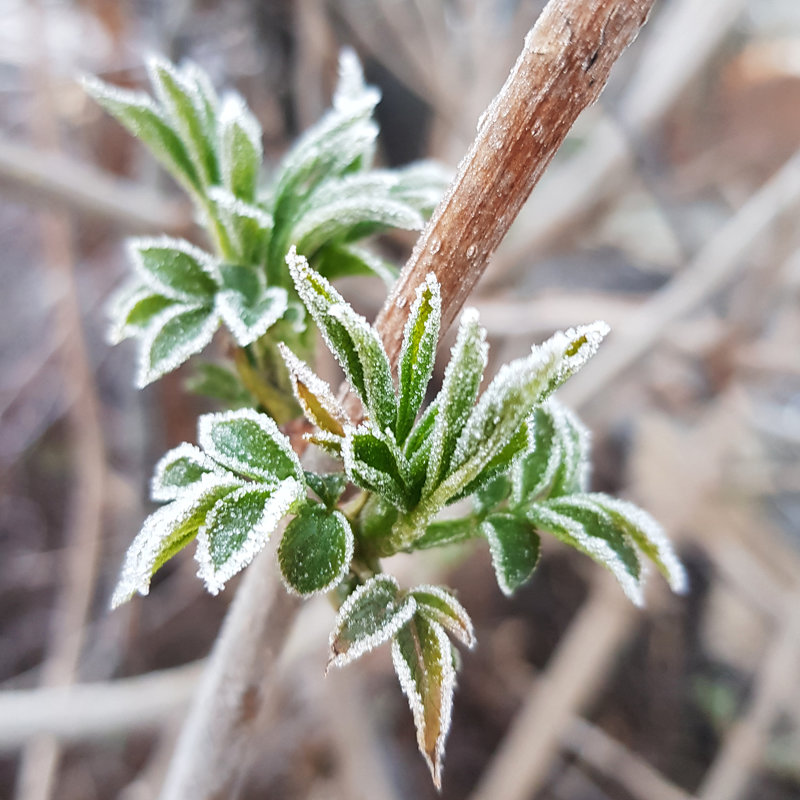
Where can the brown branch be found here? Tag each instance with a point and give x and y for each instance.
(563, 66)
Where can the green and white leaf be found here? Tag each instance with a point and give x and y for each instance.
(247, 307)
(180, 468)
(370, 616)
(314, 395)
(583, 526)
(418, 353)
(131, 310)
(246, 228)
(423, 659)
(337, 260)
(422, 185)
(515, 548)
(648, 535)
(250, 444)
(240, 149)
(439, 605)
(238, 527)
(447, 531)
(180, 331)
(316, 550)
(165, 532)
(329, 487)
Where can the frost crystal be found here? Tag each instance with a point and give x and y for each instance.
(181, 466)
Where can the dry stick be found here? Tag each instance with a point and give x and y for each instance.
(56, 178)
(574, 672)
(742, 752)
(564, 64)
(705, 274)
(562, 68)
(39, 761)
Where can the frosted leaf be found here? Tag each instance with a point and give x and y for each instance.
(350, 338)
(515, 549)
(249, 443)
(249, 322)
(329, 442)
(328, 487)
(422, 185)
(247, 227)
(142, 117)
(240, 147)
(418, 353)
(374, 462)
(178, 469)
(648, 535)
(238, 527)
(440, 606)
(462, 379)
(175, 334)
(193, 74)
(186, 108)
(423, 660)
(370, 616)
(573, 532)
(336, 260)
(165, 532)
(131, 309)
(314, 395)
(352, 94)
(447, 531)
(174, 268)
(316, 550)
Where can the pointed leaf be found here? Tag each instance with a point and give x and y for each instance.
(132, 309)
(238, 527)
(248, 308)
(418, 353)
(374, 462)
(439, 605)
(174, 268)
(140, 115)
(165, 532)
(448, 531)
(328, 488)
(423, 660)
(351, 339)
(219, 382)
(515, 548)
(246, 228)
(249, 443)
(183, 466)
(370, 616)
(491, 494)
(316, 550)
(422, 185)
(240, 148)
(648, 535)
(175, 334)
(314, 395)
(337, 260)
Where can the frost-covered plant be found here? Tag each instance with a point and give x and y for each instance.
(323, 197)
(512, 452)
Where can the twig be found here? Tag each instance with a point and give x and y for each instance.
(708, 271)
(40, 758)
(85, 189)
(92, 711)
(728, 777)
(565, 63)
(575, 671)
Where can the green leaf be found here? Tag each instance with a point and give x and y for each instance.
(421, 185)
(246, 228)
(580, 524)
(186, 109)
(370, 616)
(374, 462)
(246, 306)
(238, 527)
(439, 605)
(240, 148)
(180, 468)
(139, 114)
(337, 260)
(249, 443)
(314, 395)
(177, 333)
(219, 382)
(132, 309)
(448, 531)
(351, 339)
(167, 531)
(328, 488)
(647, 534)
(418, 449)
(455, 401)
(491, 494)
(423, 660)
(174, 268)
(316, 550)
(515, 549)
(417, 354)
